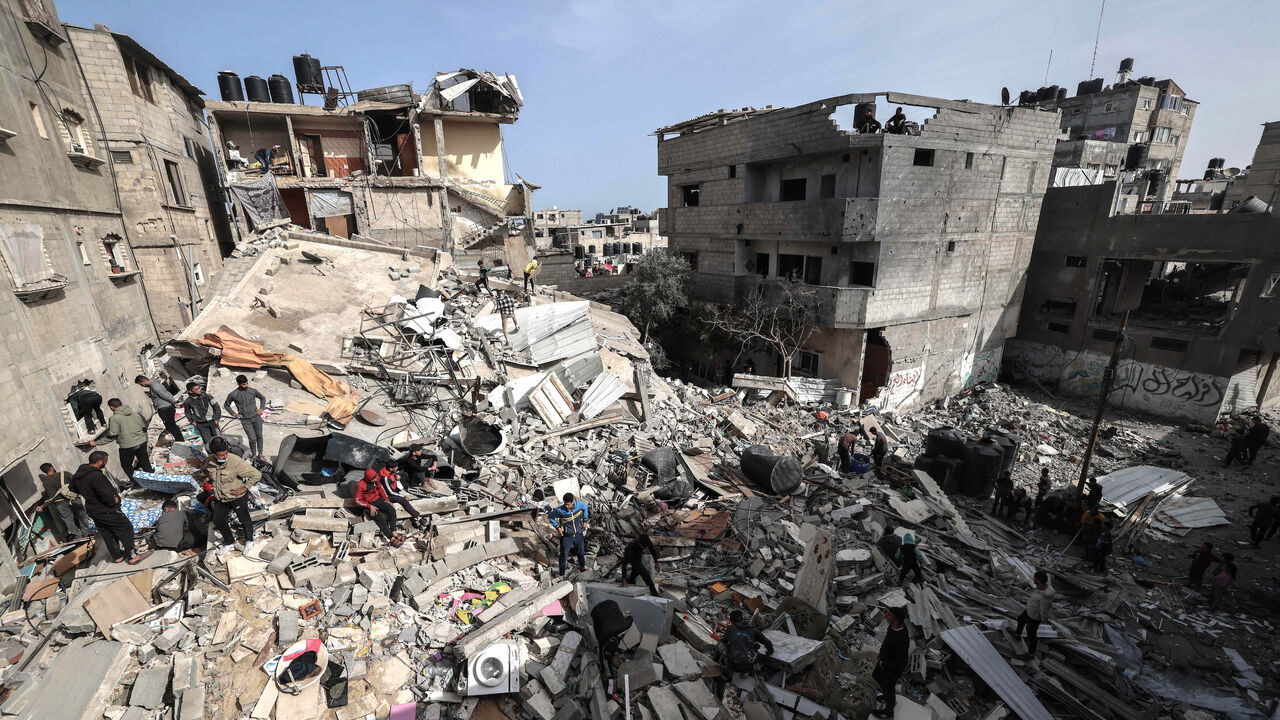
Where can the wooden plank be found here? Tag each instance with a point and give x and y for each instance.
(120, 599)
(552, 401)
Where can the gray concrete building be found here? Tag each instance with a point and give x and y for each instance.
(546, 224)
(1201, 295)
(156, 142)
(1262, 180)
(915, 244)
(72, 300)
(1117, 131)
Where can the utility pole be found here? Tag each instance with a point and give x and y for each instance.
(1108, 377)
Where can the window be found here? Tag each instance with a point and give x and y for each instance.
(1109, 107)
(597, 234)
(733, 171)
(1146, 104)
(73, 133)
(793, 189)
(178, 192)
(1161, 135)
(38, 118)
(827, 188)
(1077, 260)
(198, 272)
(84, 253)
(691, 258)
(1057, 327)
(844, 158)
(139, 78)
(1174, 139)
(208, 229)
(190, 147)
(1076, 111)
(1163, 343)
(790, 267)
(1058, 307)
(689, 195)
(951, 246)
(813, 270)
(1269, 290)
(1109, 171)
(1139, 136)
(1031, 177)
(923, 158)
(760, 265)
(968, 161)
(862, 274)
(808, 362)
(1106, 335)
(115, 253)
(121, 157)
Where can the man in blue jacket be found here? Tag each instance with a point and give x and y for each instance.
(570, 520)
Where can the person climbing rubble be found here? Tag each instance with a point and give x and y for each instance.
(909, 558)
(1036, 610)
(610, 623)
(633, 562)
(372, 499)
(506, 306)
(848, 442)
(879, 447)
(1200, 561)
(892, 661)
(742, 642)
(570, 521)
(201, 411)
(1265, 516)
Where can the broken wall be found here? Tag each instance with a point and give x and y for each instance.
(473, 150)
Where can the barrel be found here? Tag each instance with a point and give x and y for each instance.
(945, 441)
(302, 70)
(777, 474)
(281, 91)
(255, 88)
(947, 471)
(480, 438)
(579, 252)
(982, 461)
(229, 86)
(637, 248)
(1009, 442)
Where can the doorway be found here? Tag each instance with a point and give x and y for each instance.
(876, 360)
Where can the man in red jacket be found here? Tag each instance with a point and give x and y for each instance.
(391, 488)
(372, 498)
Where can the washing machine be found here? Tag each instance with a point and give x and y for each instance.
(495, 670)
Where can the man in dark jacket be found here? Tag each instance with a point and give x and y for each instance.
(1004, 494)
(175, 530)
(86, 404)
(742, 642)
(879, 447)
(418, 466)
(247, 404)
(59, 496)
(165, 403)
(1264, 516)
(892, 661)
(1255, 438)
(633, 562)
(1200, 561)
(102, 503)
(202, 411)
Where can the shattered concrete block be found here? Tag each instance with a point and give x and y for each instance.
(648, 642)
(554, 684)
(288, 625)
(186, 671)
(281, 563)
(149, 686)
(169, 639)
(145, 654)
(678, 661)
(319, 524)
(696, 693)
(640, 669)
(192, 706)
(570, 710)
(564, 655)
(541, 706)
(367, 527)
(271, 548)
(631, 639)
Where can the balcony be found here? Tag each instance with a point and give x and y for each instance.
(841, 308)
(832, 220)
(42, 22)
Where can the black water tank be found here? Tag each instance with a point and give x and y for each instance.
(229, 86)
(579, 252)
(776, 474)
(1026, 97)
(255, 88)
(1217, 163)
(947, 471)
(302, 70)
(610, 248)
(982, 461)
(1009, 442)
(1126, 65)
(637, 248)
(1062, 93)
(281, 91)
(1133, 158)
(1084, 87)
(1147, 80)
(591, 249)
(860, 110)
(1097, 85)
(945, 441)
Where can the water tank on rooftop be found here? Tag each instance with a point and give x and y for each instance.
(1126, 65)
(637, 248)
(947, 472)
(579, 252)
(1009, 442)
(229, 86)
(281, 91)
(1148, 80)
(945, 441)
(1026, 97)
(255, 88)
(1083, 87)
(306, 70)
(1062, 93)
(982, 461)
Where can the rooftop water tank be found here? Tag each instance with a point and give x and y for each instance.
(229, 86)
(280, 89)
(255, 88)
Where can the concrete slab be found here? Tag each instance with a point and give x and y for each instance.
(665, 703)
(699, 696)
(678, 661)
(792, 651)
(149, 687)
(652, 615)
(78, 683)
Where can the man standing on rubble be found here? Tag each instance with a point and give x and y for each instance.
(1201, 560)
(243, 403)
(1036, 610)
(879, 447)
(129, 429)
(530, 270)
(1091, 524)
(1264, 517)
(633, 562)
(202, 411)
(892, 661)
(1004, 494)
(848, 442)
(909, 557)
(164, 403)
(482, 283)
(1255, 439)
(64, 501)
(231, 477)
(102, 503)
(570, 520)
(1042, 491)
(507, 309)
(1094, 498)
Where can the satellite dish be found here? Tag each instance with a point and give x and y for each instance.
(1004, 96)
(1231, 171)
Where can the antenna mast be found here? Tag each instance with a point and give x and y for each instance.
(1096, 37)
(1052, 41)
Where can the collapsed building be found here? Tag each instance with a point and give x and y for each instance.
(385, 164)
(914, 245)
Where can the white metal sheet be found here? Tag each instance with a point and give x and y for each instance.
(978, 653)
(1129, 485)
(604, 391)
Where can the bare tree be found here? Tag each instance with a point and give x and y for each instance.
(777, 314)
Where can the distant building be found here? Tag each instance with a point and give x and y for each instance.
(915, 245)
(547, 222)
(1133, 131)
(1262, 178)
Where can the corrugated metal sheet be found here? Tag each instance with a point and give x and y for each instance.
(1191, 512)
(1124, 487)
(577, 371)
(978, 653)
(575, 339)
(604, 391)
(812, 390)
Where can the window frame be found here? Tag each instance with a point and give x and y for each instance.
(177, 191)
(139, 78)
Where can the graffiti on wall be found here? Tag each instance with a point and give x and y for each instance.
(903, 387)
(1042, 362)
(981, 368)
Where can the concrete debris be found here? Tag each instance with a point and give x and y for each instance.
(429, 613)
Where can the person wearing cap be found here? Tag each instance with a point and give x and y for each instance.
(231, 477)
(892, 661)
(417, 465)
(570, 520)
(633, 562)
(247, 404)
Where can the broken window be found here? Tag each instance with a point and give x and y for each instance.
(139, 78)
(121, 157)
(689, 195)
(1146, 104)
(689, 257)
(177, 192)
(1077, 260)
(198, 273)
(827, 188)
(951, 246)
(1109, 171)
(115, 253)
(1105, 335)
(73, 133)
(968, 161)
(1057, 327)
(1139, 136)
(792, 189)
(923, 157)
(38, 118)
(808, 362)
(1109, 107)
(1182, 295)
(862, 274)
(813, 270)
(1165, 343)
(1058, 307)
(84, 253)
(733, 171)
(1269, 290)
(190, 147)
(790, 267)
(760, 265)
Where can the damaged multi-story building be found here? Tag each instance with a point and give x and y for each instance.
(387, 164)
(1199, 292)
(915, 244)
(547, 222)
(1132, 131)
(88, 254)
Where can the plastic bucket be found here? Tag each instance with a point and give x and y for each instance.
(859, 464)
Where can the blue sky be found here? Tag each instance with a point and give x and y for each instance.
(600, 75)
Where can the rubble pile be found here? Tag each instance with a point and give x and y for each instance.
(746, 507)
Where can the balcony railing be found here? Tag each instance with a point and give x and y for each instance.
(830, 220)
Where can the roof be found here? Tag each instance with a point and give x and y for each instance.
(134, 47)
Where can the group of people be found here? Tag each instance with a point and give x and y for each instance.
(895, 125)
(876, 438)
